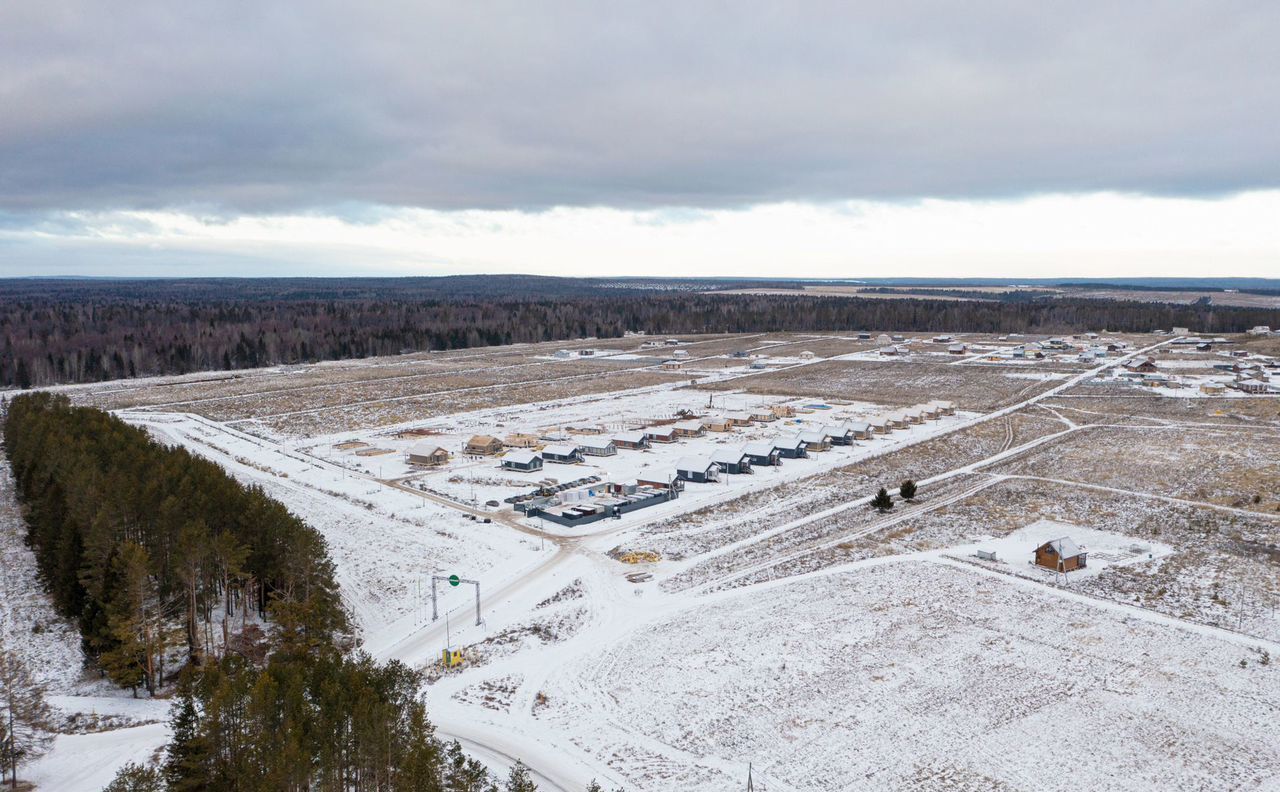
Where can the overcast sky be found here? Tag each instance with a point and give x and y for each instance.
(813, 139)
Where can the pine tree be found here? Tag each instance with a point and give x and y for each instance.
(464, 774)
(25, 720)
(882, 501)
(908, 490)
(519, 780)
(188, 751)
(136, 778)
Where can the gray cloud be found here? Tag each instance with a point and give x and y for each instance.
(266, 106)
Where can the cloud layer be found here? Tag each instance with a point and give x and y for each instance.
(266, 107)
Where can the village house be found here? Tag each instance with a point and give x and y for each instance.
(783, 411)
(427, 455)
(660, 434)
(634, 441)
(816, 441)
(718, 424)
(762, 453)
(689, 428)
(564, 454)
(913, 415)
(840, 434)
(697, 469)
(484, 445)
(861, 430)
(672, 365)
(791, 447)
(879, 424)
(957, 349)
(520, 440)
(1143, 365)
(762, 415)
(598, 447)
(1060, 555)
(1259, 330)
(739, 418)
(944, 407)
(806, 355)
(521, 461)
(732, 461)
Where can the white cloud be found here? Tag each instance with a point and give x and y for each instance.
(1089, 235)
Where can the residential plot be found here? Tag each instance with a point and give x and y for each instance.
(917, 676)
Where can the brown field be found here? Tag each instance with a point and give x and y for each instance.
(895, 383)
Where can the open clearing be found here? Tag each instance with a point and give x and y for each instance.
(772, 618)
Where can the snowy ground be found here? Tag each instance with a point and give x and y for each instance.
(912, 667)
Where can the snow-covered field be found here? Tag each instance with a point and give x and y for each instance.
(916, 675)
(787, 625)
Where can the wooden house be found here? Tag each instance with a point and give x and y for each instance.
(564, 454)
(840, 434)
(879, 424)
(861, 430)
(672, 365)
(634, 441)
(1060, 555)
(739, 418)
(762, 453)
(913, 415)
(791, 447)
(896, 420)
(484, 445)
(1141, 365)
(718, 424)
(944, 407)
(762, 415)
(697, 469)
(660, 434)
(689, 428)
(427, 455)
(957, 349)
(598, 447)
(734, 461)
(521, 461)
(783, 411)
(520, 440)
(816, 441)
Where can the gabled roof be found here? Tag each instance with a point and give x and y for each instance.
(689, 426)
(859, 426)
(837, 430)
(728, 456)
(561, 450)
(759, 448)
(659, 430)
(425, 449)
(483, 440)
(629, 437)
(690, 464)
(600, 442)
(814, 437)
(1065, 547)
(793, 441)
(519, 457)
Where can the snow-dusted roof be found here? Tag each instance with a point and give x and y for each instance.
(659, 430)
(691, 464)
(792, 441)
(860, 427)
(836, 430)
(561, 450)
(814, 437)
(629, 437)
(600, 443)
(689, 426)
(759, 448)
(424, 448)
(740, 416)
(728, 456)
(519, 457)
(1065, 547)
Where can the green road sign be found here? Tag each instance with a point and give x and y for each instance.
(454, 580)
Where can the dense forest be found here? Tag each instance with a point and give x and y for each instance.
(148, 547)
(85, 331)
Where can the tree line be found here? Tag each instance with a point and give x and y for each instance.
(148, 547)
(101, 330)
